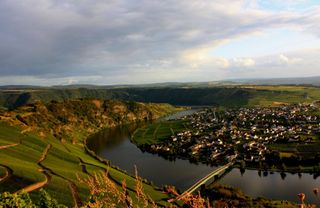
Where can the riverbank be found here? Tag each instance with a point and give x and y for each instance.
(282, 138)
(183, 174)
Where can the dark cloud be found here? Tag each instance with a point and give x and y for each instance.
(71, 38)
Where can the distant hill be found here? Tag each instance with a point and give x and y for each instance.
(230, 96)
(315, 81)
(281, 81)
(176, 96)
(225, 93)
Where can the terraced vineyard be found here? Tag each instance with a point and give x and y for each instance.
(31, 160)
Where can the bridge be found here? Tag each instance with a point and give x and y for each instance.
(204, 180)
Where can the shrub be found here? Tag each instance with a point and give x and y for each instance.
(8, 200)
(46, 201)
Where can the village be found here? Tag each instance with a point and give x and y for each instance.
(215, 135)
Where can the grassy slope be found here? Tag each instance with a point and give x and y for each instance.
(62, 159)
(157, 132)
(271, 95)
(22, 160)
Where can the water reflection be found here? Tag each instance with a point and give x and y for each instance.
(114, 145)
(273, 185)
(109, 139)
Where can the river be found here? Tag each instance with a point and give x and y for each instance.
(114, 145)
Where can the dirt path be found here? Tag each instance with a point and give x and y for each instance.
(44, 153)
(10, 145)
(7, 175)
(37, 185)
(47, 171)
(73, 187)
(47, 179)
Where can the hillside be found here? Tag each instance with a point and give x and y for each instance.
(244, 95)
(281, 81)
(72, 118)
(43, 145)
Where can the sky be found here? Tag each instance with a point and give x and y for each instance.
(105, 42)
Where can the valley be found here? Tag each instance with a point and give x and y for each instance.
(159, 104)
(54, 144)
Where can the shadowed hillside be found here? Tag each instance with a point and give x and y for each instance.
(229, 96)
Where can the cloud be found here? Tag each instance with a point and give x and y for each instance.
(283, 59)
(294, 64)
(199, 58)
(243, 62)
(289, 61)
(59, 39)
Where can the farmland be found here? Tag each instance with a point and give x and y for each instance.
(158, 132)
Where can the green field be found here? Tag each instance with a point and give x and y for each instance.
(158, 132)
(274, 95)
(305, 150)
(284, 147)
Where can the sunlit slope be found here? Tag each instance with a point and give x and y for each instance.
(37, 152)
